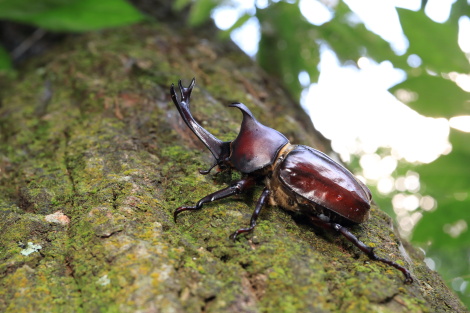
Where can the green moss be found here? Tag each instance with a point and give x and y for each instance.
(109, 152)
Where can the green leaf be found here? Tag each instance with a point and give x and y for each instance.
(430, 228)
(71, 15)
(447, 180)
(287, 45)
(239, 23)
(436, 44)
(459, 8)
(178, 5)
(435, 96)
(5, 61)
(450, 172)
(452, 263)
(201, 11)
(352, 41)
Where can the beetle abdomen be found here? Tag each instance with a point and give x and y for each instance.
(316, 178)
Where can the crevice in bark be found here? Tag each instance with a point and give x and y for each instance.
(388, 299)
(70, 271)
(67, 163)
(207, 303)
(258, 284)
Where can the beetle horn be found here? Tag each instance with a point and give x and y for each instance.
(218, 148)
(256, 145)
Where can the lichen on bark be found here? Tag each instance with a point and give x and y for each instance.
(108, 151)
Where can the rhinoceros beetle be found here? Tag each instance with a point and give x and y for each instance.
(296, 177)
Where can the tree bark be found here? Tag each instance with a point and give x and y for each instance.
(95, 158)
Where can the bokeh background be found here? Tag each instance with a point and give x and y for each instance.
(388, 82)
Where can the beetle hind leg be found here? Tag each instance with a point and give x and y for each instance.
(369, 251)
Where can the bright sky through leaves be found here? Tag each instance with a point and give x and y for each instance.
(396, 126)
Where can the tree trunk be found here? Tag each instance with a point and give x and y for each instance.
(95, 158)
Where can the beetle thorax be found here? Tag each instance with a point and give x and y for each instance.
(256, 146)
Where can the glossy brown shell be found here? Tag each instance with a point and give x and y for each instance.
(317, 178)
(256, 145)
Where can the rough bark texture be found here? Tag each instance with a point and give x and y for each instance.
(94, 159)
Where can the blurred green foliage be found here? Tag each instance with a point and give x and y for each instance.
(438, 90)
(66, 16)
(287, 48)
(289, 45)
(70, 15)
(5, 63)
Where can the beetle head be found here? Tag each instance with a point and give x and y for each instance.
(256, 146)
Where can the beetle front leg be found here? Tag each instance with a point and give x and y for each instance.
(234, 189)
(261, 202)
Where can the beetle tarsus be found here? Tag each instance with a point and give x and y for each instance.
(205, 172)
(182, 209)
(261, 202)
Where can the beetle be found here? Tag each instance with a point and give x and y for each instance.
(295, 177)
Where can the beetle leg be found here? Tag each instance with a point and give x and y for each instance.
(369, 251)
(205, 172)
(234, 189)
(261, 202)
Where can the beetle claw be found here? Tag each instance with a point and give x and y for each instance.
(408, 279)
(238, 232)
(205, 172)
(233, 236)
(178, 211)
